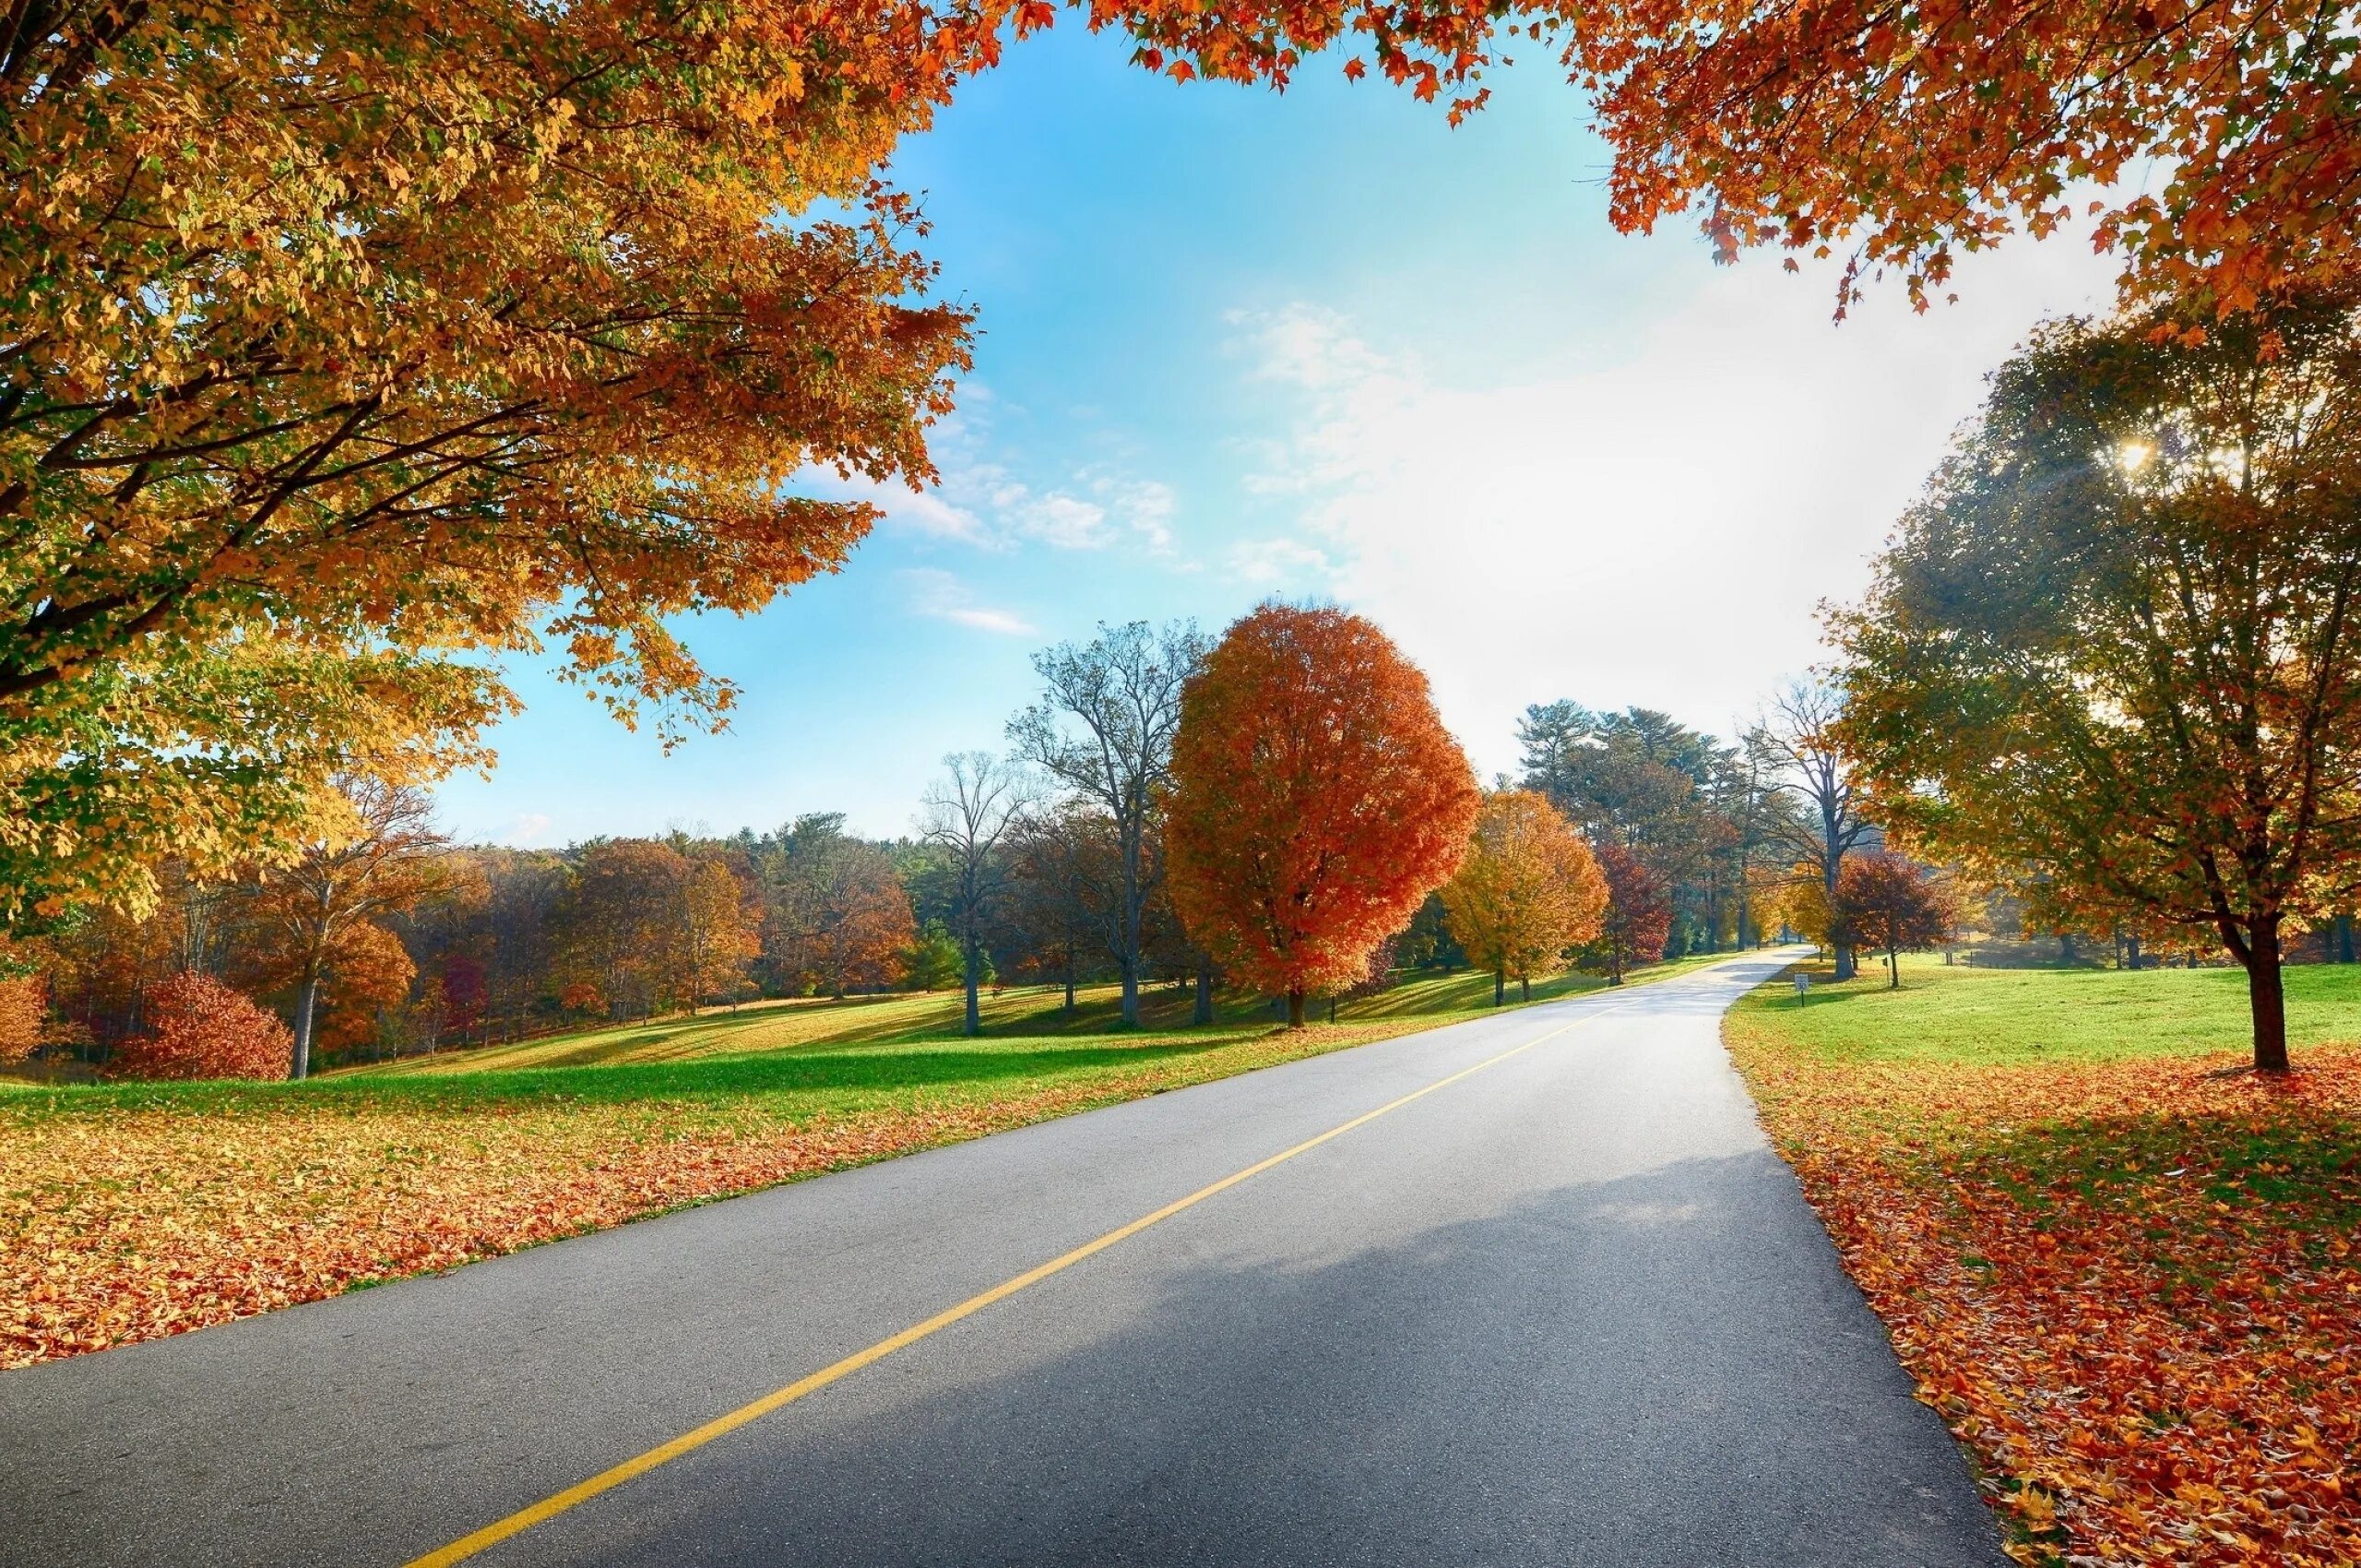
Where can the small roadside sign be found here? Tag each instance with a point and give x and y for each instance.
(1803, 987)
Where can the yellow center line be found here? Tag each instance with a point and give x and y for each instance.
(605, 1480)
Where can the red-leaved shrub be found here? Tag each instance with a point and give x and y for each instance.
(201, 1028)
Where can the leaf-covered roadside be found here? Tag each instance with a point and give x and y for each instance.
(128, 1217)
(2129, 1287)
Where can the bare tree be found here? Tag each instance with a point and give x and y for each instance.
(1798, 734)
(969, 811)
(384, 857)
(1104, 728)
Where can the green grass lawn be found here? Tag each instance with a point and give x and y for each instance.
(1993, 1017)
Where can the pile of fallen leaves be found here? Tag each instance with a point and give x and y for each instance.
(2131, 1288)
(124, 1224)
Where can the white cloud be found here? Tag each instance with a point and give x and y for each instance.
(1068, 522)
(1145, 506)
(977, 502)
(940, 596)
(1272, 562)
(526, 827)
(1654, 528)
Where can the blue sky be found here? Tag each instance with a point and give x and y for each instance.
(1321, 344)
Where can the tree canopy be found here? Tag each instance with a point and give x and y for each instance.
(344, 341)
(1317, 800)
(1528, 891)
(2111, 657)
(1887, 903)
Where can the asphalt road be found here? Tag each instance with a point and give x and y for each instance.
(1569, 1308)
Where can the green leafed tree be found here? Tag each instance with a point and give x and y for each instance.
(2111, 657)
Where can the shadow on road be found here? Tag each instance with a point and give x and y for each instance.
(1665, 1370)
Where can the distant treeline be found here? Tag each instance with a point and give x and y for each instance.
(451, 945)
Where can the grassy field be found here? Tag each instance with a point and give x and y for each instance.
(2119, 1263)
(1992, 1017)
(128, 1211)
(1030, 1013)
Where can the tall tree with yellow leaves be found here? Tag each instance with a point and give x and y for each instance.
(1528, 890)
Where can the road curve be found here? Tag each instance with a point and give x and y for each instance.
(1565, 1309)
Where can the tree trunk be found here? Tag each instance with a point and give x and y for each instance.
(1499, 986)
(1203, 1013)
(2267, 996)
(305, 999)
(1832, 868)
(1332, 1006)
(1524, 988)
(974, 964)
(1295, 1009)
(1893, 970)
(2345, 938)
(1132, 931)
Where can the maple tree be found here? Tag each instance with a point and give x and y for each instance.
(1888, 902)
(1528, 891)
(1909, 134)
(342, 341)
(1638, 917)
(24, 1009)
(2111, 657)
(1903, 137)
(613, 926)
(1800, 902)
(1316, 801)
(200, 1028)
(365, 974)
(715, 934)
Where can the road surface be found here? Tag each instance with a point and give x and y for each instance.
(1564, 1307)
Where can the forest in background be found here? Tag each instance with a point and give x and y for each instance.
(447, 944)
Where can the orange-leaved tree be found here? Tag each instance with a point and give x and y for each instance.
(24, 1006)
(1900, 136)
(1903, 135)
(200, 1028)
(1528, 890)
(1317, 800)
(338, 341)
